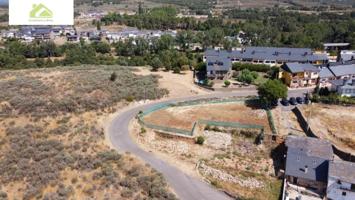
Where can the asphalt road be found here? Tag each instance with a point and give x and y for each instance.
(185, 186)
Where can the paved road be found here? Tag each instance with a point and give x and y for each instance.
(185, 186)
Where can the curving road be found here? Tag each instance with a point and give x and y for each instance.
(185, 186)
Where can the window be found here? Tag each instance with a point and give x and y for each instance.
(339, 182)
(343, 193)
(353, 187)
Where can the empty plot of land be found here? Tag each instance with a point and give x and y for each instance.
(185, 117)
(335, 123)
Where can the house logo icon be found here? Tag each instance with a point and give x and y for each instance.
(40, 11)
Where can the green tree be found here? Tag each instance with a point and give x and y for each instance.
(272, 90)
(247, 76)
(101, 47)
(213, 37)
(156, 64)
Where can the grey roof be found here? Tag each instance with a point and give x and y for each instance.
(342, 170)
(343, 70)
(336, 44)
(299, 67)
(338, 82)
(306, 167)
(325, 73)
(308, 158)
(311, 146)
(348, 84)
(222, 53)
(271, 53)
(216, 63)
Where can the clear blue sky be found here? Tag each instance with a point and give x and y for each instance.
(4, 2)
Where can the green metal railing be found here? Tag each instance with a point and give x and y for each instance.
(190, 133)
(230, 124)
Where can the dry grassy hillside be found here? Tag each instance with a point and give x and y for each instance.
(52, 144)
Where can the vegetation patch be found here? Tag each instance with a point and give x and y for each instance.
(75, 89)
(52, 143)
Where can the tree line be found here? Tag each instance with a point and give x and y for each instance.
(269, 27)
(159, 53)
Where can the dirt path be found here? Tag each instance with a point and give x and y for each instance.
(179, 85)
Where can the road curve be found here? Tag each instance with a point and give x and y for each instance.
(185, 186)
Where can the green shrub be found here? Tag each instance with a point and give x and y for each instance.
(227, 83)
(143, 130)
(333, 99)
(247, 76)
(176, 70)
(200, 140)
(251, 67)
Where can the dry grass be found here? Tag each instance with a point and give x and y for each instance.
(241, 159)
(335, 123)
(185, 117)
(48, 151)
(76, 89)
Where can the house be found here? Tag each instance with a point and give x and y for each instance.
(307, 163)
(299, 75)
(42, 33)
(72, 38)
(341, 181)
(272, 56)
(347, 55)
(336, 46)
(344, 87)
(218, 67)
(336, 72)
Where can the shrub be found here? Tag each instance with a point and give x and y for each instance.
(176, 70)
(200, 140)
(333, 99)
(247, 76)
(127, 194)
(207, 127)
(200, 66)
(130, 98)
(143, 130)
(87, 87)
(227, 83)
(251, 67)
(113, 77)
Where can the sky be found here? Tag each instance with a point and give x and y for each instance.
(4, 2)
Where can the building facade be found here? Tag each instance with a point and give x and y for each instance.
(299, 75)
(341, 181)
(307, 163)
(272, 56)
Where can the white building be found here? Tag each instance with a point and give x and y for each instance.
(347, 55)
(341, 181)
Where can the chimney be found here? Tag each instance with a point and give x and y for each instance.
(306, 169)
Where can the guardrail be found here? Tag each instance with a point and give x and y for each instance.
(190, 133)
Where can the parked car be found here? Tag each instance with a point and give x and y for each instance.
(285, 102)
(299, 100)
(275, 103)
(307, 100)
(293, 101)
